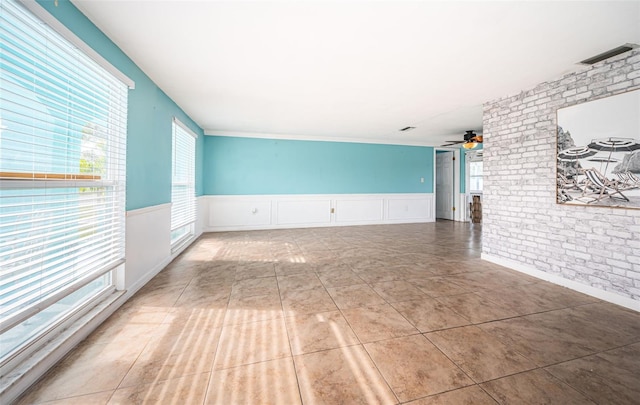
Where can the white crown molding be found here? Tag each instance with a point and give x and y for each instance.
(260, 135)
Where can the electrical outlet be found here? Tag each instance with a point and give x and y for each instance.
(421, 179)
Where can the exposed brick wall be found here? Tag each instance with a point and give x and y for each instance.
(599, 247)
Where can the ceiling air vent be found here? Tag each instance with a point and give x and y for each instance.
(405, 129)
(606, 55)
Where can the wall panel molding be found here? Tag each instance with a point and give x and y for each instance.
(242, 212)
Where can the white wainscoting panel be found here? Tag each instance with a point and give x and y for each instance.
(234, 212)
(303, 212)
(360, 210)
(230, 213)
(148, 244)
(403, 209)
(202, 214)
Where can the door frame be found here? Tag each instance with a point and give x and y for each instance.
(458, 198)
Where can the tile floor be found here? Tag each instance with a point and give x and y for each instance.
(372, 314)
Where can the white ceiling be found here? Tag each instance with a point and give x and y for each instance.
(356, 70)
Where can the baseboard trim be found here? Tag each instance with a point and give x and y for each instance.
(573, 285)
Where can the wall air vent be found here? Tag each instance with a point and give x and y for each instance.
(405, 129)
(608, 54)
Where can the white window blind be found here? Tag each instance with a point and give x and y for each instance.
(62, 169)
(183, 191)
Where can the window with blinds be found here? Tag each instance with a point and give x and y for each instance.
(475, 176)
(183, 184)
(62, 179)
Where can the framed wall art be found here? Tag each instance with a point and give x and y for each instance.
(598, 155)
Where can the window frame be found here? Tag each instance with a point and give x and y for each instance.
(180, 129)
(52, 181)
(473, 176)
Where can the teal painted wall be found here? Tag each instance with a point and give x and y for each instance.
(250, 166)
(150, 116)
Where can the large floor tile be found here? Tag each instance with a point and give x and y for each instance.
(428, 314)
(284, 268)
(204, 296)
(475, 308)
(379, 275)
(536, 297)
(338, 277)
(378, 323)
(253, 308)
(321, 331)
(563, 296)
(622, 320)
(217, 272)
(415, 368)
(298, 302)
(89, 368)
(171, 356)
(395, 291)
(188, 320)
(534, 387)
(139, 327)
(162, 297)
(178, 391)
(99, 398)
(364, 264)
(472, 395)
(341, 376)
(555, 336)
(612, 377)
(255, 286)
(438, 286)
(253, 342)
(270, 382)
(355, 296)
(479, 354)
(299, 281)
(256, 270)
(522, 300)
(440, 267)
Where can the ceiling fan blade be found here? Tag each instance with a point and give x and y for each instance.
(469, 136)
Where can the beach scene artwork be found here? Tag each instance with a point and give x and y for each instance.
(598, 152)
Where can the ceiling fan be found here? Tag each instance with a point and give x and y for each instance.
(469, 141)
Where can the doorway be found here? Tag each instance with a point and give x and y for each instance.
(445, 207)
(474, 182)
